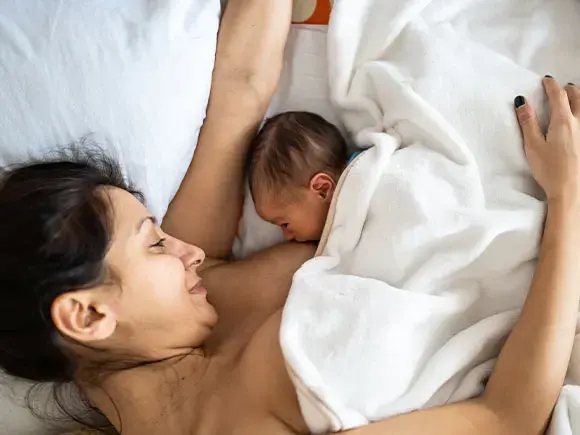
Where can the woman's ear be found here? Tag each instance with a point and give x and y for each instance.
(323, 186)
(81, 316)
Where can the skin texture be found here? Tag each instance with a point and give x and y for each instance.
(211, 364)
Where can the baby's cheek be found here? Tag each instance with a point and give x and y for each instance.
(318, 223)
(324, 213)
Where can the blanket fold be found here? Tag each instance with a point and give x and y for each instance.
(431, 242)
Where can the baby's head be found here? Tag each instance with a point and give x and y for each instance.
(295, 163)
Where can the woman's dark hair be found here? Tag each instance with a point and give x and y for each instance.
(55, 230)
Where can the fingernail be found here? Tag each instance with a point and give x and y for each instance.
(548, 76)
(519, 101)
(571, 84)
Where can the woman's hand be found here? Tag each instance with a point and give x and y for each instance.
(554, 158)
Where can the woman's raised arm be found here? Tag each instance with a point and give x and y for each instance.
(249, 59)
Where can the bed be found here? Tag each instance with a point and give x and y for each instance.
(135, 78)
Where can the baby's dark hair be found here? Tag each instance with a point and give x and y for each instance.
(291, 148)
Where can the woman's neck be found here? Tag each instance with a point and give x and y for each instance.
(137, 400)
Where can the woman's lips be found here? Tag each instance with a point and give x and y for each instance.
(198, 289)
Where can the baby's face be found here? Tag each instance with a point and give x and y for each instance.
(301, 219)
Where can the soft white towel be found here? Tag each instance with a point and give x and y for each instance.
(431, 244)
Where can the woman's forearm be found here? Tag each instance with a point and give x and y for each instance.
(532, 365)
(206, 209)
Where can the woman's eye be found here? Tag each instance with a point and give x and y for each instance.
(159, 244)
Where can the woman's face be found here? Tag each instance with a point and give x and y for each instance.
(155, 306)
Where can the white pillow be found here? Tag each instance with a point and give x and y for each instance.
(134, 73)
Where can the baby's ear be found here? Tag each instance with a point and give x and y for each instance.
(323, 186)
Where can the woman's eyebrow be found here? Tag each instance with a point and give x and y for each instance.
(142, 222)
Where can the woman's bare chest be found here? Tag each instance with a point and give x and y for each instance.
(257, 392)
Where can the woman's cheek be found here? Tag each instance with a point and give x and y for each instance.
(168, 274)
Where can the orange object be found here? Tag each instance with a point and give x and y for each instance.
(321, 14)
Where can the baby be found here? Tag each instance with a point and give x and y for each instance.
(295, 163)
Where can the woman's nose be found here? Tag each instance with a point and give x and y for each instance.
(193, 258)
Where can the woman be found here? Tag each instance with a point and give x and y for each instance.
(95, 292)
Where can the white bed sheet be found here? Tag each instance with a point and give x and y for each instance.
(134, 74)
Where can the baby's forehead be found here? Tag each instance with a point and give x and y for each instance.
(273, 205)
(266, 200)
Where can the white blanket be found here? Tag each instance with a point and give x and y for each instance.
(429, 250)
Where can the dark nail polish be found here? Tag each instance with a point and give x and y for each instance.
(548, 76)
(571, 84)
(519, 101)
